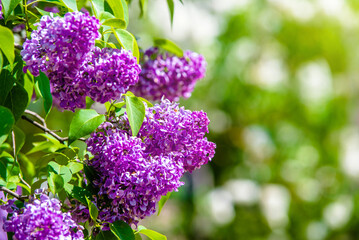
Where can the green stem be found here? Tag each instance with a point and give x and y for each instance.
(26, 16)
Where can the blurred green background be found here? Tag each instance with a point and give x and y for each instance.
(281, 92)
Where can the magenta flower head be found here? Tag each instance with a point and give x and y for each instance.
(134, 172)
(130, 182)
(60, 44)
(59, 48)
(172, 130)
(64, 49)
(42, 219)
(109, 73)
(168, 76)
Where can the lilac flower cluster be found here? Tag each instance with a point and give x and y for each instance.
(134, 172)
(169, 76)
(110, 73)
(172, 130)
(64, 49)
(131, 182)
(42, 219)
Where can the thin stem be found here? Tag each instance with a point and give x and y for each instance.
(14, 145)
(33, 14)
(34, 114)
(24, 182)
(45, 129)
(14, 194)
(26, 16)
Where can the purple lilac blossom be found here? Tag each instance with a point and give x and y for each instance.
(110, 74)
(79, 212)
(59, 48)
(169, 76)
(170, 129)
(131, 182)
(64, 49)
(134, 172)
(60, 44)
(41, 219)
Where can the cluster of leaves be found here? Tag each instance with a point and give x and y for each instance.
(48, 160)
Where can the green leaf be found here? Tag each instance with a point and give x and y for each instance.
(63, 171)
(40, 146)
(127, 41)
(8, 167)
(75, 167)
(65, 174)
(119, 105)
(92, 209)
(17, 101)
(45, 13)
(149, 104)
(169, 46)
(97, 6)
(120, 9)
(71, 4)
(153, 235)
(56, 182)
(122, 230)
(6, 83)
(79, 193)
(7, 44)
(89, 102)
(1, 61)
(162, 202)
(84, 122)
(71, 153)
(19, 139)
(29, 85)
(138, 236)
(115, 22)
(56, 156)
(90, 173)
(9, 6)
(54, 167)
(106, 16)
(143, 7)
(6, 122)
(44, 86)
(171, 7)
(135, 112)
(106, 235)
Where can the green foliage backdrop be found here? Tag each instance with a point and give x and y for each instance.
(282, 94)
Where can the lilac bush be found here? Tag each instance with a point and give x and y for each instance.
(41, 219)
(136, 154)
(169, 76)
